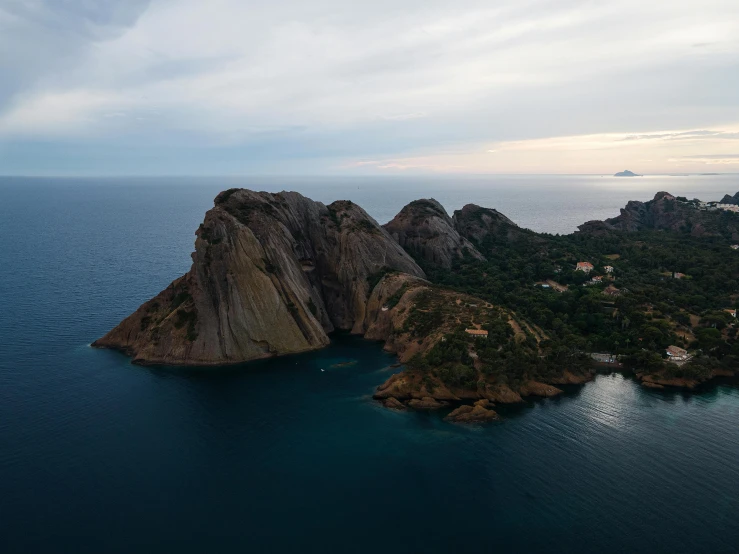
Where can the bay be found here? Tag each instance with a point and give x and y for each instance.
(97, 455)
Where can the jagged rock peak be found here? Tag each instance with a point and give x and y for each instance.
(475, 223)
(272, 274)
(663, 195)
(665, 212)
(426, 231)
(728, 199)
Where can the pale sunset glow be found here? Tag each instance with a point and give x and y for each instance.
(230, 87)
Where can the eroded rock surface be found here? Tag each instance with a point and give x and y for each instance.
(663, 212)
(425, 230)
(272, 274)
(478, 224)
(479, 412)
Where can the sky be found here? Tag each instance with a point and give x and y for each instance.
(347, 87)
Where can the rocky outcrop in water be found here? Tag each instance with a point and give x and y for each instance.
(480, 412)
(272, 274)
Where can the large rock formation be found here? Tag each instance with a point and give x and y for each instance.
(727, 199)
(664, 212)
(427, 232)
(433, 238)
(479, 412)
(660, 213)
(272, 274)
(478, 224)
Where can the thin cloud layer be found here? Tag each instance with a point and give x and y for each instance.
(172, 86)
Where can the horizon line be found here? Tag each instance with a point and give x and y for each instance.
(339, 176)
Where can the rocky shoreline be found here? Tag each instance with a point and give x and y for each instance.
(275, 274)
(401, 393)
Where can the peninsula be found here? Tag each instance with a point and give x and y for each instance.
(478, 309)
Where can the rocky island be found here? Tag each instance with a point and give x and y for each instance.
(479, 310)
(626, 173)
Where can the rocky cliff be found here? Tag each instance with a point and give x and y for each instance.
(664, 212)
(272, 274)
(478, 225)
(425, 230)
(425, 325)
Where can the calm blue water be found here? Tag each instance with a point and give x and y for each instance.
(97, 455)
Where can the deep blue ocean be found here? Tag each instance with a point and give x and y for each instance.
(98, 455)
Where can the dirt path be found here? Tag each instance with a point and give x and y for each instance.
(517, 331)
(556, 286)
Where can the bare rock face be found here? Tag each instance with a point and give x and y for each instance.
(535, 388)
(645, 215)
(426, 403)
(477, 224)
(480, 412)
(394, 404)
(569, 378)
(272, 274)
(663, 212)
(502, 394)
(596, 228)
(425, 230)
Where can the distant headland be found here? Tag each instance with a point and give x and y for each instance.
(626, 173)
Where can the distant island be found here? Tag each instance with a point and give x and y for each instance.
(626, 173)
(479, 310)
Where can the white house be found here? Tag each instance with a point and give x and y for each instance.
(677, 354)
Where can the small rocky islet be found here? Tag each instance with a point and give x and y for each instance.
(275, 274)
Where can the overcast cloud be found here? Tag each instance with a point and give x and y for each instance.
(340, 86)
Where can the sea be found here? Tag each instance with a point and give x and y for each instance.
(291, 454)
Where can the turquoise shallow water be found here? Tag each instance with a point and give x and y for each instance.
(97, 455)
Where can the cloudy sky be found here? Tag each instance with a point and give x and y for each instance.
(176, 87)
